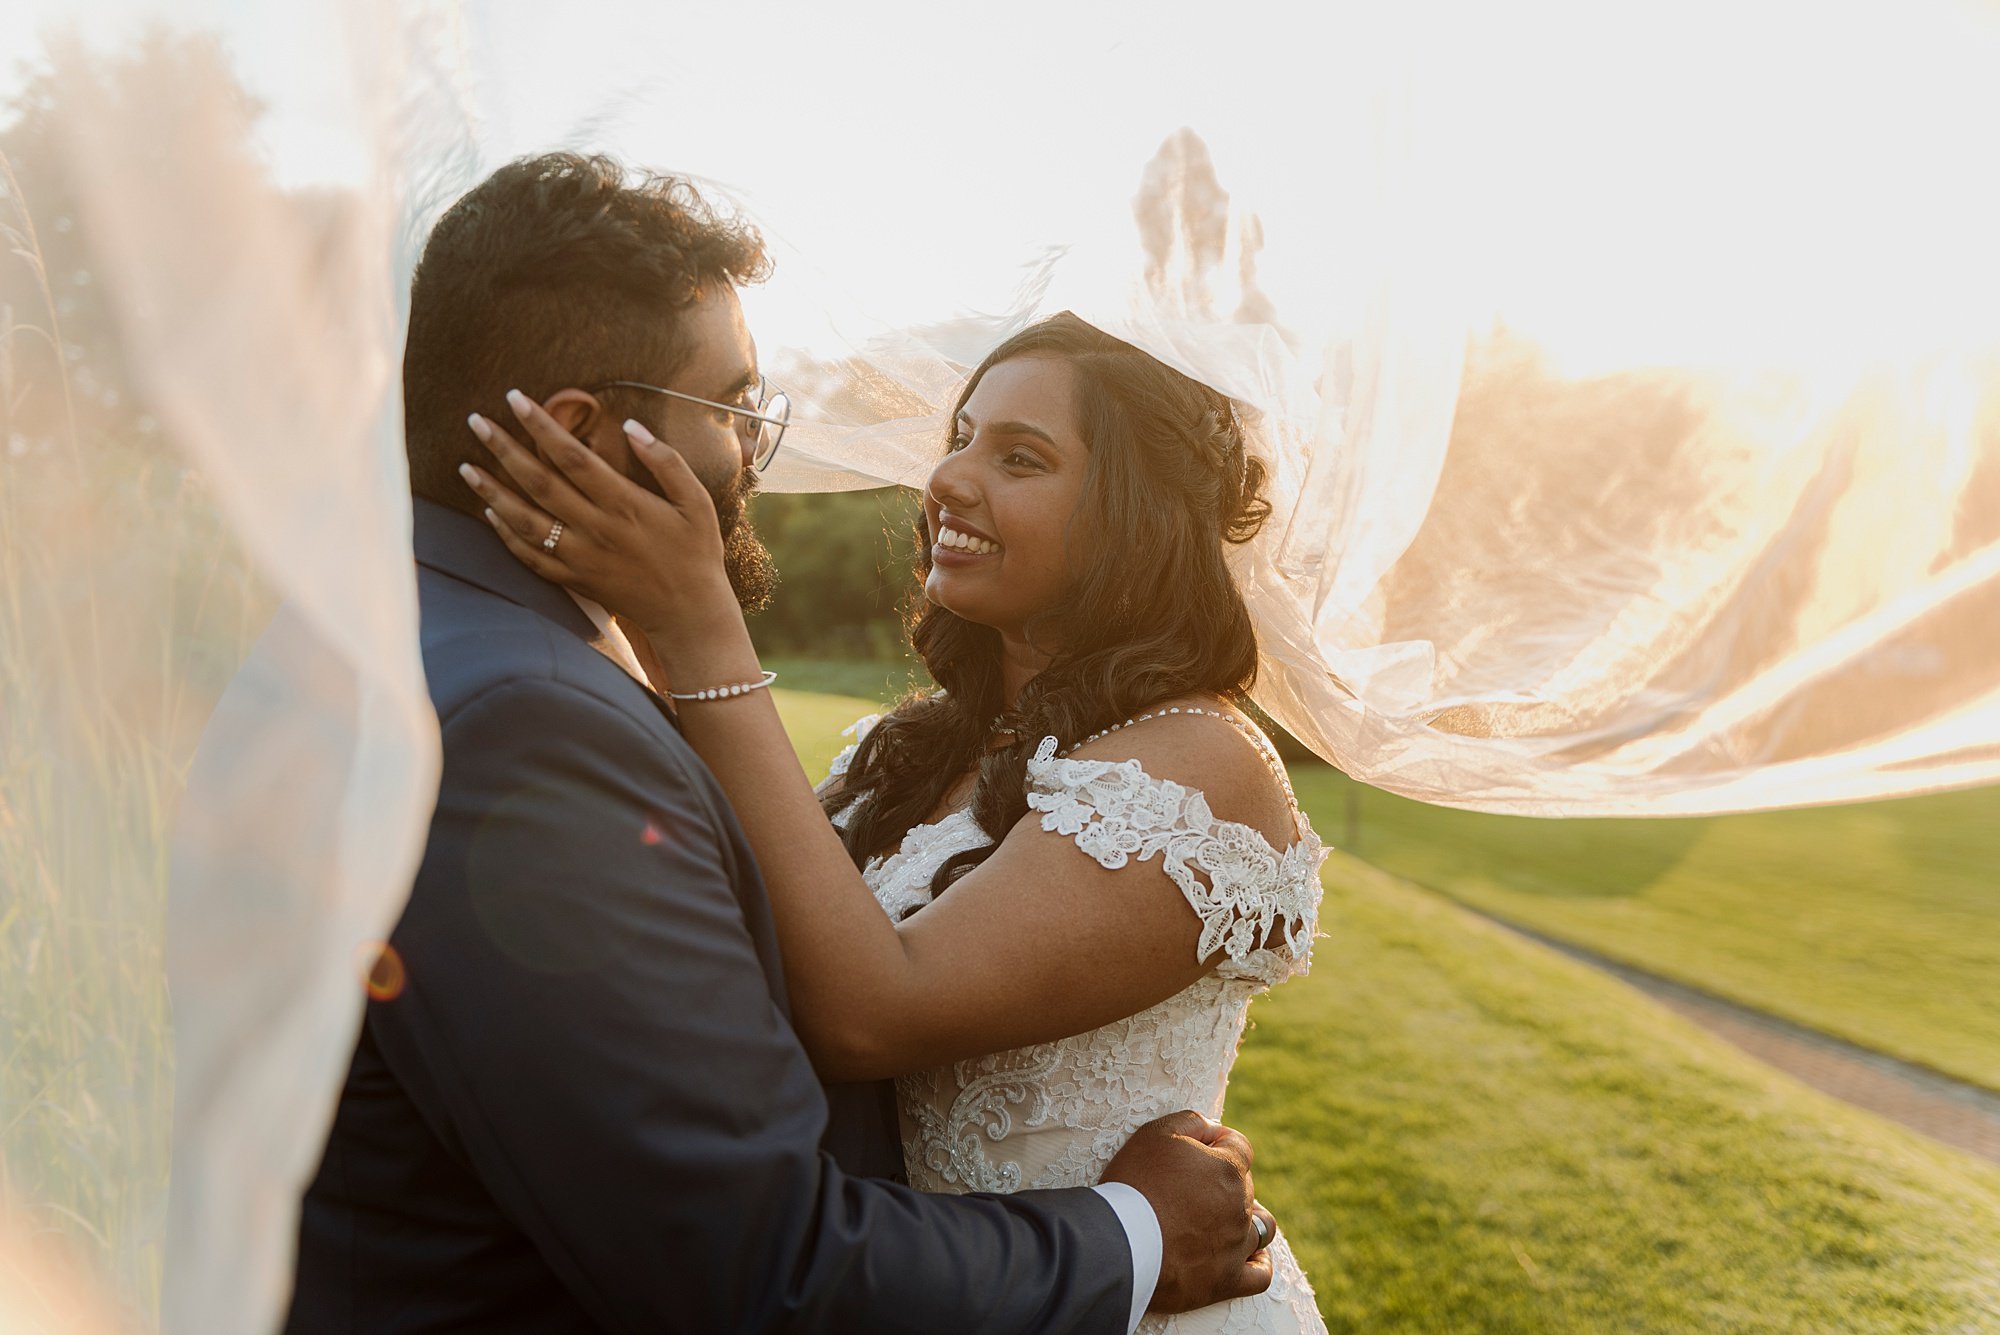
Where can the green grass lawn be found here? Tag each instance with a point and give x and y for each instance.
(1879, 923)
(1463, 1131)
(816, 722)
(862, 679)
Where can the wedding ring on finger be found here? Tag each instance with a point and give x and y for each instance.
(555, 536)
(1263, 1231)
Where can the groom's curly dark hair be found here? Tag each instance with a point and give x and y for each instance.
(558, 271)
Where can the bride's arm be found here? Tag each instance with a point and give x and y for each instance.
(1036, 943)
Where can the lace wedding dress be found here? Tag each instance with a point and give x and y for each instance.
(1054, 1114)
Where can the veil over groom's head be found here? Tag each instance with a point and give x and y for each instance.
(567, 272)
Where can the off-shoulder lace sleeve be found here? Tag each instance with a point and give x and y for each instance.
(1258, 907)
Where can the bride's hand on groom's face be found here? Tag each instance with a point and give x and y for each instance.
(655, 560)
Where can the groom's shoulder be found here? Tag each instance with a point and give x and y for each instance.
(480, 650)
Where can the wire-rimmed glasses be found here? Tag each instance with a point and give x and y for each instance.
(772, 414)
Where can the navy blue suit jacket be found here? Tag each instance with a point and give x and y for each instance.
(586, 1110)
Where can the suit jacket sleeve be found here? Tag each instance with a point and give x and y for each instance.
(590, 1021)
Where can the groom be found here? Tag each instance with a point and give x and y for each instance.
(586, 1109)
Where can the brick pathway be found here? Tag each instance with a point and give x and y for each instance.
(1953, 1111)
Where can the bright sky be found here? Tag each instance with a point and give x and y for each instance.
(1744, 182)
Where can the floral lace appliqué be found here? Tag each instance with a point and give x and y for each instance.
(1258, 907)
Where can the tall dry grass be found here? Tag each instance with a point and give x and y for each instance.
(123, 609)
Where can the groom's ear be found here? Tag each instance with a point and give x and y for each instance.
(581, 414)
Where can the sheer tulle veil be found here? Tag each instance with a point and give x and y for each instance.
(1497, 576)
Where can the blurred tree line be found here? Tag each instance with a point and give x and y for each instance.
(846, 570)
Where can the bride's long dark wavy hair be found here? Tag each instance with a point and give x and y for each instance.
(1152, 613)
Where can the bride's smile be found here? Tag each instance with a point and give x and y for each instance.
(998, 507)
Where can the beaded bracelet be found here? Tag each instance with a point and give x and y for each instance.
(725, 692)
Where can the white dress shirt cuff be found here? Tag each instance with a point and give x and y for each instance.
(1142, 1231)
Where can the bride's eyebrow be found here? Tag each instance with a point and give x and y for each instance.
(1012, 429)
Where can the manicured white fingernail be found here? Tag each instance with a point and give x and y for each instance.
(492, 518)
(519, 403)
(636, 430)
(479, 427)
(469, 473)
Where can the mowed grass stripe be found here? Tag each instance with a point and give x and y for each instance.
(1464, 1131)
(1878, 923)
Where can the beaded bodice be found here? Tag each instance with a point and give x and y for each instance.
(1053, 1114)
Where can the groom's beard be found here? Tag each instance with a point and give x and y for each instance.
(745, 560)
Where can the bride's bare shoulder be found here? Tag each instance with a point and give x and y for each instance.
(1204, 743)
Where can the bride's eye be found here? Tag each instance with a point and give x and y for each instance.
(1022, 459)
(958, 443)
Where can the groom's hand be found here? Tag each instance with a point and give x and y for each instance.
(1196, 1175)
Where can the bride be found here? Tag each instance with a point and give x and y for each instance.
(1046, 893)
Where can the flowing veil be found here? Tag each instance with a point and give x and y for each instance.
(1506, 570)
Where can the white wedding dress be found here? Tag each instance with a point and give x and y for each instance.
(1054, 1114)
